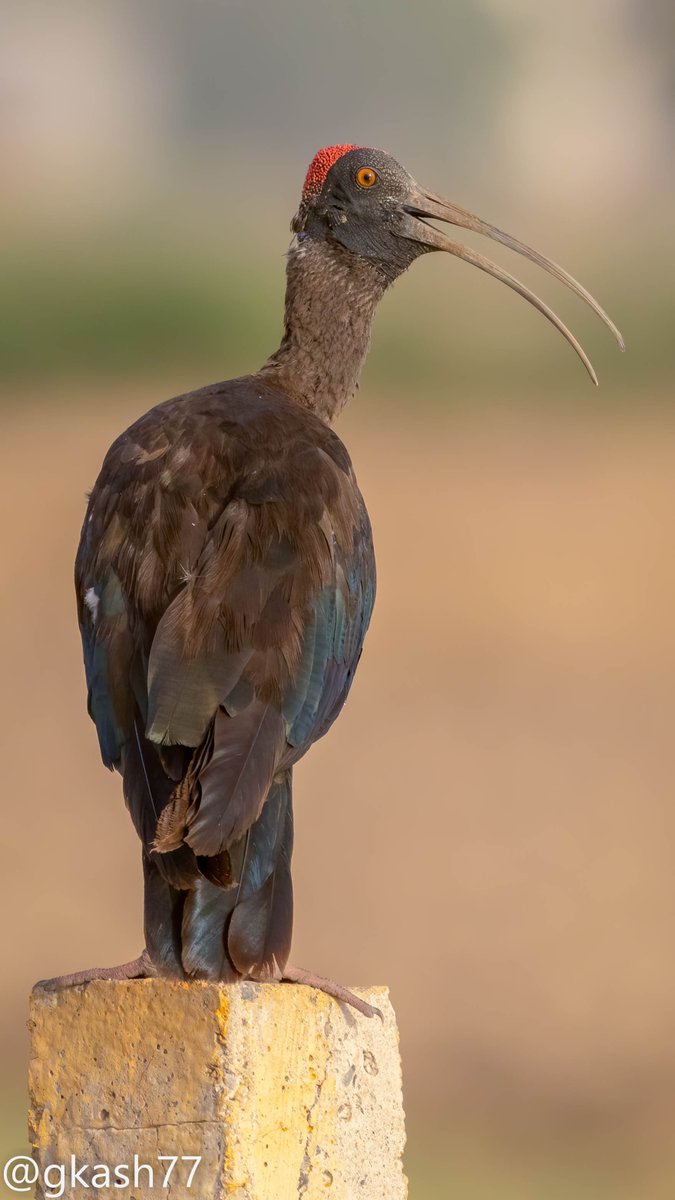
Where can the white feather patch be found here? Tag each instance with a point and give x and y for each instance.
(92, 602)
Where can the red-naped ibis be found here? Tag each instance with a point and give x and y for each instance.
(225, 580)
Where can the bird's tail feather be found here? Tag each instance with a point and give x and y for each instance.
(163, 917)
(228, 933)
(148, 789)
(259, 934)
(206, 917)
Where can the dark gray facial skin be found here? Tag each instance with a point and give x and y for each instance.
(363, 220)
(387, 225)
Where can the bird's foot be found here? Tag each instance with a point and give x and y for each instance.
(139, 968)
(298, 975)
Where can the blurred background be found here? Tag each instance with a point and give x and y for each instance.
(490, 826)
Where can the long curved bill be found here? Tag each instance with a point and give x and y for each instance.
(422, 205)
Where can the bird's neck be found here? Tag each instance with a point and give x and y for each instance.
(331, 297)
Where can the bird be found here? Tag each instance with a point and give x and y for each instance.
(225, 581)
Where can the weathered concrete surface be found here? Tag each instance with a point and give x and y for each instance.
(283, 1092)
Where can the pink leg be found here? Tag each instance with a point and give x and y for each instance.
(298, 975)
(138, 968)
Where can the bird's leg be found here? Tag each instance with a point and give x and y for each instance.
(139, 968)
(337, 990)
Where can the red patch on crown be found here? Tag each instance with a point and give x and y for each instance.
(320, 166)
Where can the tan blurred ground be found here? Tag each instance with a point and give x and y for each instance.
(489, 828)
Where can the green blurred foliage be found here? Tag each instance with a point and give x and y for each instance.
(123, 302)
(79, 309)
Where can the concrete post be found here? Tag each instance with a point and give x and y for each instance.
(277, 1090)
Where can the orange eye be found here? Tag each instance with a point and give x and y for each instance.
(366, 177)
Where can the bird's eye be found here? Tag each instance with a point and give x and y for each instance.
(366, 177)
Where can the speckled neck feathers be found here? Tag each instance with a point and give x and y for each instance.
(331, 297)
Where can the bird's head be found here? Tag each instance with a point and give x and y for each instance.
(366, 202)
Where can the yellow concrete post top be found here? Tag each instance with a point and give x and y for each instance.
(246, 1091)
